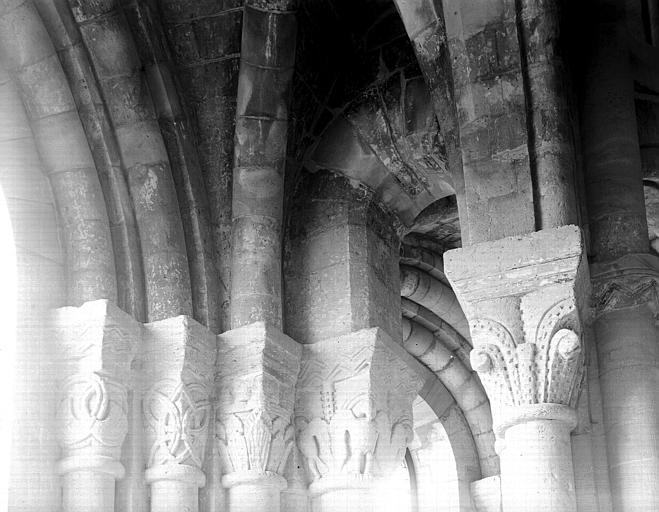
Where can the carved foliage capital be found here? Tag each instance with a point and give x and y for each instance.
(254, 441)
(545, 367)
(525, 298)
(255, 389)
(353, 408)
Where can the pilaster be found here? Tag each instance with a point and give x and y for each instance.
(178, 364)
(353, 416)
(525, 299)
(97, 344)
(254, 430)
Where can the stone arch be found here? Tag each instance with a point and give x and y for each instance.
(388, 139)
(31, 60)
(451, 417)
(41, 262)
(145, 204)
(435, 331)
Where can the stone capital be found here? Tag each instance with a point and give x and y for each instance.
(630, 281)
(525, 298)
(97, 343)
(178, 364)
(353, 410)
(255, 386)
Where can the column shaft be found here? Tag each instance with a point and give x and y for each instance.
(625, 330)
(536, 467)
(262, 495)
(88, 491)
(612, 158)
(629, 378)
(523, 297)
(174, 496)
(260, 155)
(345, 500)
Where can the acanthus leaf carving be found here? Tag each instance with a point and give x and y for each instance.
(547, 367)
(253, 441)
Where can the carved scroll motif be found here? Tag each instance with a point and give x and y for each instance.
(547, 368)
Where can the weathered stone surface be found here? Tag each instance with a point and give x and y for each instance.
(178, 361)
(254, 431)
(97, 345)
(526, 299)
(359, 384)
(341, 241)
(261, 134)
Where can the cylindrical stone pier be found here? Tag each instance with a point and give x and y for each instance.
(355, 496)
(91, 488)
(536, 459)
(175, 488)
(629, 378)
(260, 154)
(254, 491)
(625, 328)
(612, 158)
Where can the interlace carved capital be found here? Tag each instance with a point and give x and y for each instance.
(97, 344)
(93, 413)
(178, 365)
(177, 418)
(525, 298)
(632, 280)
(353, 414)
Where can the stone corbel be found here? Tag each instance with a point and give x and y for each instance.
(178, 362)
(353, 414)
(97, 344)
(254, 431)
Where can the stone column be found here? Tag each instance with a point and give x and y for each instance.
(353, 417)
(253, 429)
(523, 297)
(623, 277)
(612, 157)
(178, 363)
(626, 299)
(97, 342)
(264, 87)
